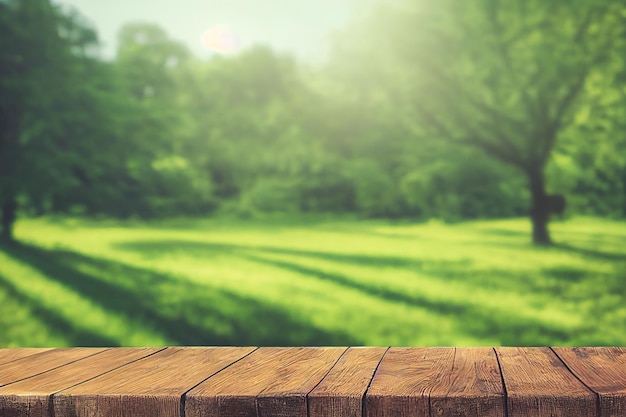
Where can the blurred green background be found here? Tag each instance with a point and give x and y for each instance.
(434, 173)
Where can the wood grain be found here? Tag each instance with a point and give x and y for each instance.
(604, 371)
(28, 366)
(538, 384)
(269, 382)
(404, 379)
(31, 397)
(447, 382)
(341, 392)
(8, 355)
(472, 388)
(313, 382)
(152, 386)
(286, 395)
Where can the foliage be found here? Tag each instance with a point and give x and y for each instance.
(39, 49)
(381, 131)
(505, 77)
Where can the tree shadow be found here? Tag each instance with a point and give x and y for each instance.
(448, 270)
(493, 231)
(475, 320)
(184, 313)
(472, 319)
(150, 249)
(568, 247)
(566, 274)
(592, 253)
(351, 229)
(75, 336)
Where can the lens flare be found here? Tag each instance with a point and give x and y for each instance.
(221, 39)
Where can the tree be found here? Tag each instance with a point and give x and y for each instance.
(156, 73)
(31, 55)
(57, 124)
(506, 77)
(246, 130)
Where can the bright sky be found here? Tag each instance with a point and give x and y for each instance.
(300, 27)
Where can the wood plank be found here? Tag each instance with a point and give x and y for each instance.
(31, 397)
(41, 362)
(604, 371)
(269, 382)
(437, 382)
(538, 384)
(313, 382)
(11, 354)
(153, 386)
(286, 395)
(403, 381)
(341, 392)
(473, 388)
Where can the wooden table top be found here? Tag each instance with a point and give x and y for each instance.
(313, 382)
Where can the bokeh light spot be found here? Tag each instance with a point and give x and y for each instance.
(221, 39)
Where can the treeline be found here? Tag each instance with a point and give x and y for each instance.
(156, 132)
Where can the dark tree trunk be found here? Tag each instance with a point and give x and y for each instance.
(539, 210)
(9, 208)
(9, 180)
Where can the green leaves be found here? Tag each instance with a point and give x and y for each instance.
(383, 130)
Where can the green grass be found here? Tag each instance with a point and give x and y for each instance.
(218, 282)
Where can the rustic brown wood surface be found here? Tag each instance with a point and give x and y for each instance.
(437, 382)
(604, 371)
(31, 396)
(285, 396)
(402, 383)
(341, 392)
(277, 381)
(152, 387)
(313, 382)
(536, 379)
(473, 386)
(28, 366)
(8, 355)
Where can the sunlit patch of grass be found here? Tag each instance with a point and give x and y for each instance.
(434, 285)
(80, 313)
(342, 282)
(365, 317)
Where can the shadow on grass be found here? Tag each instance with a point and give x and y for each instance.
(357, 230)
(579, 237)
(567, 274)
(446, 270)
(509, 329)
(153, 249)
(493, 231)
(184, 313)
(56, 323)
(472, 319)
(592, 253)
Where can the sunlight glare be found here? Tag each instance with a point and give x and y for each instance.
(221, 39)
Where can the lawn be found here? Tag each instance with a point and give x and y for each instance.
(221, 282)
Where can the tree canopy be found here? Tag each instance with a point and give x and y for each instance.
(509, 78)
(448, 109)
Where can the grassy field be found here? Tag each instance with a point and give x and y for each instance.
(71, 282)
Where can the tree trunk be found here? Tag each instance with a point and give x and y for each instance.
(539, 211)
(9, 160)
(9, 208)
